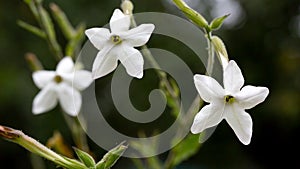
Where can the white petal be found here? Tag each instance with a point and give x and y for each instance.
(119, 22)
(209, 116)
(132, 60)
(80, 79)
(45, 100)
(66, 65)
(99, 37)
(240, 121)
(233, 78)
(251, 96)
(106, 61)
(69, 98)
(140, 35)
(42, 78)
(208, 88)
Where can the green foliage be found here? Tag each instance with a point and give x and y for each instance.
(85, 158)
(110, 158)
(32, 29)
(217, 22)
(184, 150)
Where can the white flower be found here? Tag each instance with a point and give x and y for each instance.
(119, 45)
(227, 103)
(62, 85)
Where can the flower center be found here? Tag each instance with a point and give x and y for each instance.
(58, 79)
(115, 39)
(229, 99)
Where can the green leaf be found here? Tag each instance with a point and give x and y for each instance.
(32, 29)
(85, 158)
(185, 149)
(217, 22)
(75, 43)
(63, 21)
(110, 158)
(47, 25)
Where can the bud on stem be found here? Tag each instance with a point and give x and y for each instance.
(220, 50)
(34, 146)
(33, 62)
(127, 7)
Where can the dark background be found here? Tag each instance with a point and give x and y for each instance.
(264, 40)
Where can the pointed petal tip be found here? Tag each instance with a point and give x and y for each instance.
(140, 75)
(194, 130)
(36, 111)
(246, 141)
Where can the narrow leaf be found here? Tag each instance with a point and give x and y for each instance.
(63, 21)
(85, 158)
(35, 30)
(75, 43)
(110, 158)
(47, 24)
(217, 22)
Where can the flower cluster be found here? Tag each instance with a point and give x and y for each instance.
(118, 44)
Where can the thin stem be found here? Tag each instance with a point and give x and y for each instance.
(162, 75)
(211, 55)
(78, 134)
(46, 24)
(34, 146)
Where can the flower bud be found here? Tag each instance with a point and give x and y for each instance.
(127, 7)
(220, 50)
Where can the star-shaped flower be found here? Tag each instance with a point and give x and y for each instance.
(227, 103)
(62, 85)
(119, 45)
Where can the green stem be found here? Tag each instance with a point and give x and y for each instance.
(35, 147)
(162, 75)
(47, 27)
(78, 134)
(211, 55)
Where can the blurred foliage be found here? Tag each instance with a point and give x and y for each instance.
(265, 43)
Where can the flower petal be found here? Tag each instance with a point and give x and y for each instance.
(69, 98)
(132, 60)
(140, 35)
(251, 96)
(233, 78)
(80, 79)
(99, 37)
(209, 116)
(240, 121)
(208, 88)
(106, 61)
(45, 100)
(42, 78)
(66, 65)
(119, 22)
